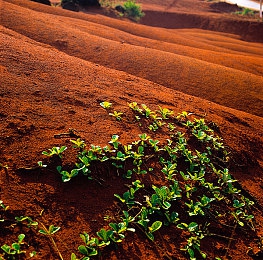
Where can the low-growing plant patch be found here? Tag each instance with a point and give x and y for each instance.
(176, 175)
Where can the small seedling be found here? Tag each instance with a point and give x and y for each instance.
(29, 221)
(41, 165)
(55, 151)
(134, 106)
(15, 248)
(105, 236)
(2, 205)
(129, 196)
(114, 141)
(67, 176)
(106, 104)
(144, 221)
(165, 112)
(90, 247)
(147, 111)
(80, 144)
(49, 233)
(117, 115)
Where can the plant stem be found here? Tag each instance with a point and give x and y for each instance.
(52, 240)
(230, 240)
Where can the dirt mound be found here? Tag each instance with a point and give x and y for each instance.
(248, 30)
(225, 7)
(57, 66)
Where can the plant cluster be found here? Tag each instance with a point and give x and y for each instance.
(192, 162)
(133, 10)
(191, 190)
(18, 249)
(245, 12)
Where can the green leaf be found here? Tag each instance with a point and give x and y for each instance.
(155, 226)
(62, 149)
(85, 237)
(150, 236)
(106, 104)
(166, 204)
(52, 229)
(105, 235)
(83, 250)
(16, 247)
(183, 226)
(42, 231)
(33, 253)
(73, 257)
(191, 253)
(21, 238)
(7, 249)
(193, 226)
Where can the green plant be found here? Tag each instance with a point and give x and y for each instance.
(114, 141)
(144, 222)
(55, 151)
(197, 208)
(194, 241)
(106, 104)
(117, 115)
(128, 197)
(134, 106)
(67, 176)
(133, 10)
(247, 11)
(2, 205)
(90, 248)
(119, 230)
(165, 112)
(5, 208)
(49, 233)
(30, 222)
(191, 164)
(78, 143)
(15, 249)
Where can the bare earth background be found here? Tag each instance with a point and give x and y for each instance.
(56, 66)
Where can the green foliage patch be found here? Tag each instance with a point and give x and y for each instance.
(193, 193)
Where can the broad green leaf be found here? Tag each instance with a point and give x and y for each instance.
(182, 226)
(53, 229)
(150, 236)
(7, 249)
(84, 237)
(83, 250)
(155, 226)
(93, 252)
(42, 231)
(21, 238)
(193, 226)
(106, 104)
(191, 253)
(73, 257)
(167, 204)
(16, 247)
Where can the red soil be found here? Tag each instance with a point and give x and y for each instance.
(56, 67)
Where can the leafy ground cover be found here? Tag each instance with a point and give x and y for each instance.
(180, 181)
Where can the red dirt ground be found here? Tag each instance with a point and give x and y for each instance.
(56, 67)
